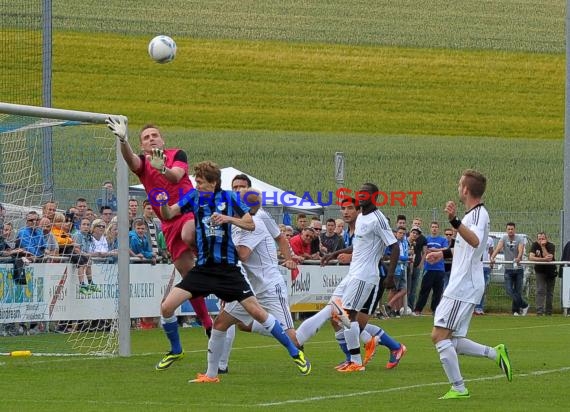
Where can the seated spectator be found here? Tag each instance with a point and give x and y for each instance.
(329, 239)
(48, 210)
(99, 246)
(30, 238)
(61, 230)
(52, 248)
(12, 255)
(82, 258)
(138, 242)
(108, 197)
(301, 244)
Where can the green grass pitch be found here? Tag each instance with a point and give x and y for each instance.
(263, 378)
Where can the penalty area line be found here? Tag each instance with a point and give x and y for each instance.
(403, 388)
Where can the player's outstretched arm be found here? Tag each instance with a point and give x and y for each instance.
(118, 125)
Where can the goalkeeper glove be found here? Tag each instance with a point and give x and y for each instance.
(157, 160)
(118, 125)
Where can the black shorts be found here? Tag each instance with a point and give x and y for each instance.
(224, 281)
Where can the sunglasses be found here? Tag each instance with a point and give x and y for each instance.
(100, 226)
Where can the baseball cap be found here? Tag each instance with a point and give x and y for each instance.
(417, 229)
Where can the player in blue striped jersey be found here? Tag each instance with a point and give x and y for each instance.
(216, 271)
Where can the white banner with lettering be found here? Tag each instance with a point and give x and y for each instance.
(51, 292)
(566, 287)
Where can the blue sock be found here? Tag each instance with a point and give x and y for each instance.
(342, 343)
(272, 325)
(386, 340)
(170, 327)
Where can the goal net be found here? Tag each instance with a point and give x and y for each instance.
(58, 298)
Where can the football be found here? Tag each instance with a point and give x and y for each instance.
(162, 49)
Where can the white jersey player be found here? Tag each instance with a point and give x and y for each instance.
(465, 288)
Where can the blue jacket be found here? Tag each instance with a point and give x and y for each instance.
(140, 245)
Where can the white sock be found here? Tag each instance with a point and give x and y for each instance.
(311, 326)
(228, 344)
(351, 335)
(464, 346)
(257, 327)
(450, 363)
(372, 329)
(215, 349)
(365, 336)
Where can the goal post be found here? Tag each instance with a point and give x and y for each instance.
(20, 192)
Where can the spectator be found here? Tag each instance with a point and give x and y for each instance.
(106, 215)
(329, 239)
(301, 244)
(339, 228)
(565, 257)
(48, 210)
(401, 222)
(480, 307)
(241, 181)
(61, 230)
(302, 223)
(317, 248)
(90, 214)
(395, 296)
(417, 265)
(12, 255)
(512, 246)
(543, 251)
(450, 236)
(99, 246)
(81, 207)
(111, 234)
(30, 238)
(108, 197)
(432, 281)
(153, 227)
(52, 248)
(8, 235)
(138, 242)
(133, 211)
(82, 258)
(289, 232)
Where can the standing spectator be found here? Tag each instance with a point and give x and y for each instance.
(339, 229)
(543, 251)
(31, 238)
(99, 245)
(90, 214)
(133, 211)
(480, 307)
(81, 206)
(329, 239)
(395, 297)
(418, 263)
(153, 227)
(301, 244)
(48, 210)
(401, 222)
(106, 215)
(317, 247)
(138, 242)
(52, 248)
(513, 247)
(108, 197)
(450, 236)
(8, 234)
(432, 280)
(302, 223)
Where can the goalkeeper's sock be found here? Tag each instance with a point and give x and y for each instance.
(273, 326)
(170, 326)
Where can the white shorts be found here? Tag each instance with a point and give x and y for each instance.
(274, 300)
(454, 315)
(356, 293)
(341, 287)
